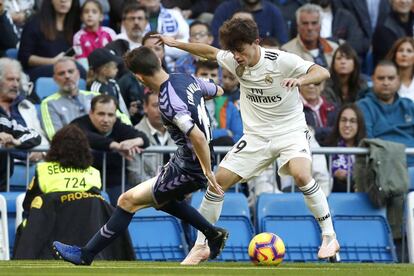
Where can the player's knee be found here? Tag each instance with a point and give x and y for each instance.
(125, 201)
(302, 178)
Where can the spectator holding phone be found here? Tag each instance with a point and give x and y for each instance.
(93, 35)
(47, 36)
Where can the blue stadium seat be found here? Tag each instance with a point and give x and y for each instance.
(288, 216)
(411, 178)
(19, 180)
(12, 53)
(157, 236)
(362, 230)
(47, 86)
(235, 217)
(11, 216)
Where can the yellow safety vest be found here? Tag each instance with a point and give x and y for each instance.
(52, 177)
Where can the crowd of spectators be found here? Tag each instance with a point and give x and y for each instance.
(69, 40)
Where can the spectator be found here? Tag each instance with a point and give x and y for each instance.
(308, 44)
(387, 115)
(319, 114)
(397, 24)
(48, 36)
(288, 9)
(200, 33)
(14, 105)
(13, 135)
(270, 43)
(267, 16)
(20, 11)
(159, 50)
(222, 135)
(167, 22)
(368, 13)
(348, 131)
(134, 21)
(107, 133)
(158, 135)
(93, 35)
(64, 198)
(346, 84)
(69, 102)
(231, 87)
(202, 10)
(103, 69)
(402, 54)
(103, 3)
(8, 31)
(340, 25)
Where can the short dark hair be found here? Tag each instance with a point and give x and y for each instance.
(142, 60)
(70, 148)
(198, 22)
(148, 95)
(133, 7)
(103, 98)
(238, 31)
(209, 64)
(148, 36)
(386, 62)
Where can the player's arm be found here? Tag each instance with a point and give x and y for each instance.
(198, 49)
(202, 150)
(316, 74)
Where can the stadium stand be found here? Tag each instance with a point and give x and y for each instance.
(410, 226)
(287, 215)
(362, 230)
(411, 177)
(235, 217)
(11, 217)
(21, 177)
(167, 241)
(4, 231)
(12, 53)
(47, 86)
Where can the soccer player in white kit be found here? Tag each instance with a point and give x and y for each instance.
(273, 122)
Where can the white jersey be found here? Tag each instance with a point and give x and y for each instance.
(268, 109)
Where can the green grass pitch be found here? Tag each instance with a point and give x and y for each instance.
(211, 269)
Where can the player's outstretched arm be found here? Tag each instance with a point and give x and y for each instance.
(198, 49)
(316, 74)
(202, 151)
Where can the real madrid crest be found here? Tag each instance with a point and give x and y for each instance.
(268, 79)
(239, 70)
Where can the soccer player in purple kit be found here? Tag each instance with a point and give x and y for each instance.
(181, 99)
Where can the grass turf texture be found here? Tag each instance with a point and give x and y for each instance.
(211, 269)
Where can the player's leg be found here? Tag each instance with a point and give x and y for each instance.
(128, 203)
(216, 236)
(315, 199)
(210, 209)
(246, 159)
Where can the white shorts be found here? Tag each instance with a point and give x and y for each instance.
(252, 154)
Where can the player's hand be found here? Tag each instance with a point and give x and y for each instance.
(290, 83)
(212, 182)
(167, 40)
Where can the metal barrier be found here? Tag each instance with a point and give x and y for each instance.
(220, 151)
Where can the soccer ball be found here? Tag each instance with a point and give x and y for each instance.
(266, 249)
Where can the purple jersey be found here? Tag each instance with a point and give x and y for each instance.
(182, 106)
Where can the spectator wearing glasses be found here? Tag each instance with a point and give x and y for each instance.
(134, 21)
(199, 33)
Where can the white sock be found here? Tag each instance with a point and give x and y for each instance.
(210, 208)
(317, 203)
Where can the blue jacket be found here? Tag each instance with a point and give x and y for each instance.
(392, 122)
(269, 19)
(229, 118)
